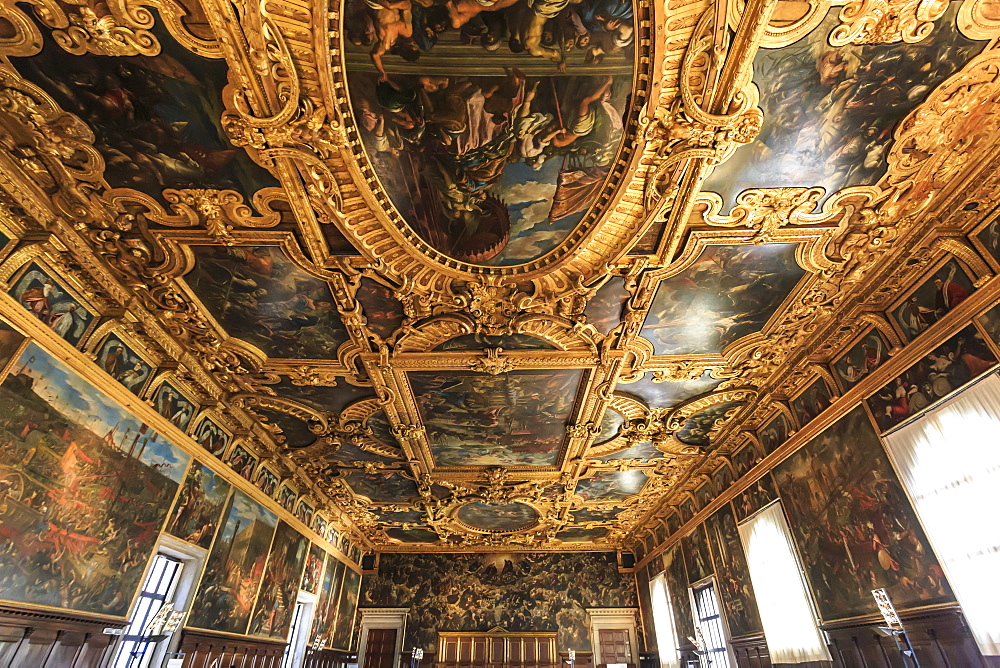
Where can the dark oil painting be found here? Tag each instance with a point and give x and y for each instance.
(525, 591)
(604, 310)
(267, 482)
(304, 513)
(171, 404)
(272, 616)
(383, 312)
(196, 513)
(673, 523)
(333, 399)
(611, 423)
(610, 485)
(497, 517)
(732, 573)
(399, 516)
(830, 112)
(722, 478)
(729, 292)
(260, 296)
(686, 510)
(755, 497)
(864, 357)
(286, 498)
(492, 126)
(123, 364)
(319, 524)
(644, 451)
(85, 488)
(382, 486)
(990, 322)
(704, 494)
(480, 341)
(156, 119)
(698, 429)
(350, 453)
(516, 418)
(11, 341)
(813, 401)
(667, 393)
(233, 573)
(948, 367)
(948, 287)
(46, 299)
(292, 430)
(347, 608)
(746, 459)
(588, 514)
(212, 437)
(676, 576)
(313, 571)
(243, 462)
(326, 603)
(582, 534)
(417, 535)
(697, 558)
(990, 238)
(773, 435)
(853, 523)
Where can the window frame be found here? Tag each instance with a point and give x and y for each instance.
(726, 649)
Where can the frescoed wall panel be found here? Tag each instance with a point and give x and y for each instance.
(272, 616)
(519, 592)
(948, 287)
(47, 299)
(196, 514)
(732, 574)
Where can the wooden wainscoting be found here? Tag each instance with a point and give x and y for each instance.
(206, 649)
(496, 649)
(31, 638)
(328, 658)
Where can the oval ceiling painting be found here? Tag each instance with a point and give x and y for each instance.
(492, 124)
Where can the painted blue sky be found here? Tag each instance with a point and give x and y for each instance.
(216, 487)
(82, 402)
(245, 511)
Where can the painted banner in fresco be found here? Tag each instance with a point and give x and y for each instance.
(196, 512)
(235, 567)
(272, 615)
(854, 525)
(732, 573)
(519, 592)
(84, 490)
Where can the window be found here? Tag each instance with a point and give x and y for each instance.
(136, 649)
(780, 589)
(296, 630)
(663, 621)
(709, 622)
(949, 464)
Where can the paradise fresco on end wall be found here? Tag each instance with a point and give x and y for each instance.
(813, 401)
(513, 419)
(729, 292)
(697, 558)
(46, 299)
(519, 592)
(732, 573)
(228, 588)
(491, 126)
(199, 505)
(948, 287)
(853, 523)
(610, 485)
(677, 585)
(948, 367)
(272, 616)
(260, 296)
(864, 357)
(123, 364)
(667, 393)
(830, 112)
(156, 119)
(85, 488)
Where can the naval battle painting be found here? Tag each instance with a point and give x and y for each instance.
(492, 125)
(513, 419)
(84, 490)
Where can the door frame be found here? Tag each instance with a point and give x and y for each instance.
(613, 618)
(382, 618)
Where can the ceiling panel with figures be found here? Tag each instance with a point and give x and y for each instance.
(490, 275)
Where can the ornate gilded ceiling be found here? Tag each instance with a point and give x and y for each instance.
(482, 275)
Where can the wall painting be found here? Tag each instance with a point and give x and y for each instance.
(697, 558)
(272, 616)
(732, 574)
(853, 523)
(171, 404)
(46, 299)
(948, 287)
(199, 505)
(667, 393)
(813, 401)
(212, 437)
(123, 364)
(864, 357)
(313, 571)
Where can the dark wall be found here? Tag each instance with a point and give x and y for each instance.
(518, 592)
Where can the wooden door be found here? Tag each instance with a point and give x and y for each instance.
(380, 651)
(615, 646)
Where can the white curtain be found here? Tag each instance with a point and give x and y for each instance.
(949, 463)
(789, 623)
(663, 622)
